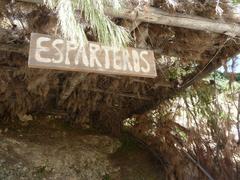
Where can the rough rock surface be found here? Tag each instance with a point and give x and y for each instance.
(62, 161)
(36, 151)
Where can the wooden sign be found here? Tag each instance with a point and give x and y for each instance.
(52, 53)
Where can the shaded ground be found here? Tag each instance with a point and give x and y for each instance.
(49, 149)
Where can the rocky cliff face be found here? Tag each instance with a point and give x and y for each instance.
(87, 158)
(37, 151)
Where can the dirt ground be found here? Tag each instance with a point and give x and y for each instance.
(52, 149)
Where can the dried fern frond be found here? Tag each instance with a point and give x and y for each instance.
(69, 26)
(218, 9)
(173, 3)
(92, 11)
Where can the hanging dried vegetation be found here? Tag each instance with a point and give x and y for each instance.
(194, 135)
(183, 57)
(106, 98)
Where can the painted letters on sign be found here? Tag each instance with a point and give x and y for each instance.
(52, 53)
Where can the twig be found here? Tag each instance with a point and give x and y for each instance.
(215, 55)
(198, 165)
(238, 119)
(191, 113)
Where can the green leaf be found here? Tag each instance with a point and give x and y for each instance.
(92, 11)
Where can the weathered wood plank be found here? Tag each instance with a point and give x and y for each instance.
(51, 53)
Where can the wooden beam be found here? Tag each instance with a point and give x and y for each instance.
(126, 95)
(52, 112)
(32, 1)
(8, 68)
(157, 16)
(17, 48)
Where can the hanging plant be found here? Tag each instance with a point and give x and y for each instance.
(106, 31)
